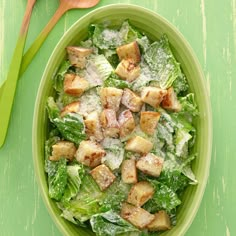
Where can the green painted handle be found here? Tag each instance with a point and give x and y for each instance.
(31, 52)
(7, 90)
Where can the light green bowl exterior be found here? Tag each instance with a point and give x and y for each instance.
(154, 25)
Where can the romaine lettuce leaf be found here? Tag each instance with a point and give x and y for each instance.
(57, 178)
(110, 38)
(162, 62)
(52, 109)
(164, 198)
(174, 180)
(188, 105)
(71, 127)
(52, 139)
(90, 101)
(114, 153)
(59, 78)
(146, 76)
(85, 204)
(98, 66)
(110, 223)
(180, 84)
(114, 81)
(114, 196)
(144, 43)
(75, 173)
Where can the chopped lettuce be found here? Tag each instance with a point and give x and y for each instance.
(114, 81)
(100, 66)
(180, 85)
(114, 153)
(90, 101)
(53, 139)
(162, 62)
(164, 198)
(144, 79)
(57, 178)
(114, 196)
(144, 43)
(188, 105)
(75, 173)
(110, 38)
(71, 126)
(110, 223)
(52, 109)
(85, 204)
(174, 180)
(59, 78)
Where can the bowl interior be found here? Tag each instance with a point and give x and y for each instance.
(154, 26)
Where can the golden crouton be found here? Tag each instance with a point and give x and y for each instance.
(77, 56)
(139, 144)
(150, 164)
(109, 123)
(153, 96)
(127, 70)
(111, 97)
(131, 100)
(93, 127)
(103, 176)
(129, 51)
(90, 153)
(126, 122)
(63, 149)
(161, 222)
(136, 215)
(140, 193)
(129, 171)
(148, 121)
(70, 108)
(170, 101)
(75, 85)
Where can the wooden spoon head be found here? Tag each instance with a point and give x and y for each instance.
(71, 4)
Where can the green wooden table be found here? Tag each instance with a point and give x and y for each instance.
(210, 28)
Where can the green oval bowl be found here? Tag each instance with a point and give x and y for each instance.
(154, 26)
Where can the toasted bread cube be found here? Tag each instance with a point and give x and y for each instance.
(161, 222)
(148, 121)
(63, 149)
(170, 101)
(150, 164)
(131, 100)
(136, 215)
(103, 176)
(109, 123)
(75, 85)
(70, 108)
(126, 123)
(127, 70)
(139, 144)
(93, 127)
(129, 171)
(140, 193)
(90, 153)
(77, 56)
(153, 96)
(129, 51)
(111, 97)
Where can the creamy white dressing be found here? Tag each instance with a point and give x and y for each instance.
(114, 153)
(89, 102)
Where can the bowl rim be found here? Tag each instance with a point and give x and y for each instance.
(201, 80)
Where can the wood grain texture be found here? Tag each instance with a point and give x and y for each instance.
(210, 28)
